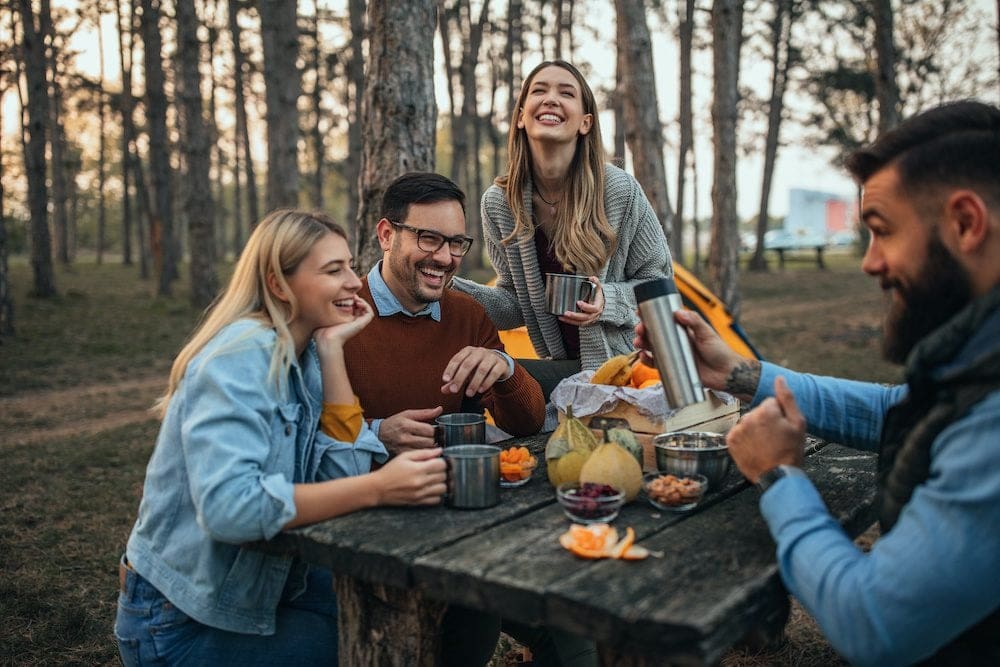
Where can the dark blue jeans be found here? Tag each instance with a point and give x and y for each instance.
(151, 631)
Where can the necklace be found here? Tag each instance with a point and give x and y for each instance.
(552, 204)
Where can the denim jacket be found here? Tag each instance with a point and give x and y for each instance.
(230, 448)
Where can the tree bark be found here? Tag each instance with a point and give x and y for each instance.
(641, 110)
(473, 172)
(618, 110)
(59, 164)
(356, 88)
(399, 109)
(242, 129)
(781, 28)
(6, 302)
(102, 156)
(283, 85)
(33, 54)
(161, 230)
(685, 115)
(315, 126)
(723, 266)
(886, 88)
(199, 207)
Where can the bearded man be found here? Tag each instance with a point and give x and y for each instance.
(929, 589)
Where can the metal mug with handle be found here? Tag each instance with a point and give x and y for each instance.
(460, 428)
(563, 290)
(473, 476)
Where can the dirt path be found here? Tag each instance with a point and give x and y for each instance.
(81, 410)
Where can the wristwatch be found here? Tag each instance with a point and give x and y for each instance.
(765, 481)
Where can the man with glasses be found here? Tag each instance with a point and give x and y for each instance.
(431, 350)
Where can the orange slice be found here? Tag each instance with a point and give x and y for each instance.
(593, 541)
(600, 540)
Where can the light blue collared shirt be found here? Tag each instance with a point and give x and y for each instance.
(387, 304)
(926, 580)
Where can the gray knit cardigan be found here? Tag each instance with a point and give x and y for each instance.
(519, 296)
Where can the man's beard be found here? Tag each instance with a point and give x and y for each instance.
(942, 290)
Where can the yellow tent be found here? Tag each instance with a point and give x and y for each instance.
(696, 297)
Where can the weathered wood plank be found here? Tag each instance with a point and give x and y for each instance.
(516, 563)
(378, 546)
(706, 599)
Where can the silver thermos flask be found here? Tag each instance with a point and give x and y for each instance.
(658, 300)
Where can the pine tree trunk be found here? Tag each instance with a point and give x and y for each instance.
(101, 157)
(641, 110)
(780, 36)
(242, 129)
(315, 101)
(33, 54)
(161, 231)
(6, 302)
(199, 208)
(356, 83)
(685, 113)
(886, 88)
(723, 267)
(283, 85)
(399, 108)
(473, 179)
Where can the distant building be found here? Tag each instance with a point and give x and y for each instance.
(820, 213)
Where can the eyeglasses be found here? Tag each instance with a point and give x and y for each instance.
(429, 241)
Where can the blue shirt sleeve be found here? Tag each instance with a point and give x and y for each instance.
(843, 411)
(926, 580)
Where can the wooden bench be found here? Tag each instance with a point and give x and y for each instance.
(781, 255)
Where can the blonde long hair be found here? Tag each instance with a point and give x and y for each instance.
(583, 239)
(276, 247)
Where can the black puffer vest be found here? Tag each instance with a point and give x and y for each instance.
(945, 382)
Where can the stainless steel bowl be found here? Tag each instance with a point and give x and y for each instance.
(693, 453)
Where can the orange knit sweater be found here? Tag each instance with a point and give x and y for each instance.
(396, 364)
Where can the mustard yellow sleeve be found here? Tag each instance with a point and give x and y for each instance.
(341, 422)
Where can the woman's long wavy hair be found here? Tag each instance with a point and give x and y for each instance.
(583, 240)
(277, 246)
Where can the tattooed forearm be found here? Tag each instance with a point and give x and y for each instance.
(744, 378)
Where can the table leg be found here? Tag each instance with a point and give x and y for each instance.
(383, 625)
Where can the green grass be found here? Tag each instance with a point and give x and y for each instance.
(104, 325)
(70, 475)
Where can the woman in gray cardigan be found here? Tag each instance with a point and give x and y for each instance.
(560, 208)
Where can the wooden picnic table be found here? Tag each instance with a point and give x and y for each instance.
(713, 584)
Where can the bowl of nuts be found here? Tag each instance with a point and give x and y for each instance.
(674, 493)
(590, 502)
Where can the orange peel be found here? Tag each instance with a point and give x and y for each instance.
(600, 540)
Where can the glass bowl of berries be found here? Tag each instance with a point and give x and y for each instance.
(589, 502)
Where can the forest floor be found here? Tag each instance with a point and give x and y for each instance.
(77, 381)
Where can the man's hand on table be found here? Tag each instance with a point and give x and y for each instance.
(770, 435)
(409, 430)
(476, 369)
(718, 365)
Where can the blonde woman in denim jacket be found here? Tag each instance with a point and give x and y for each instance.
(261, 432)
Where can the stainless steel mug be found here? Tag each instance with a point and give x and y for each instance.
(658, 300)
(563, 290)
(460, 428)
(473, 476)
